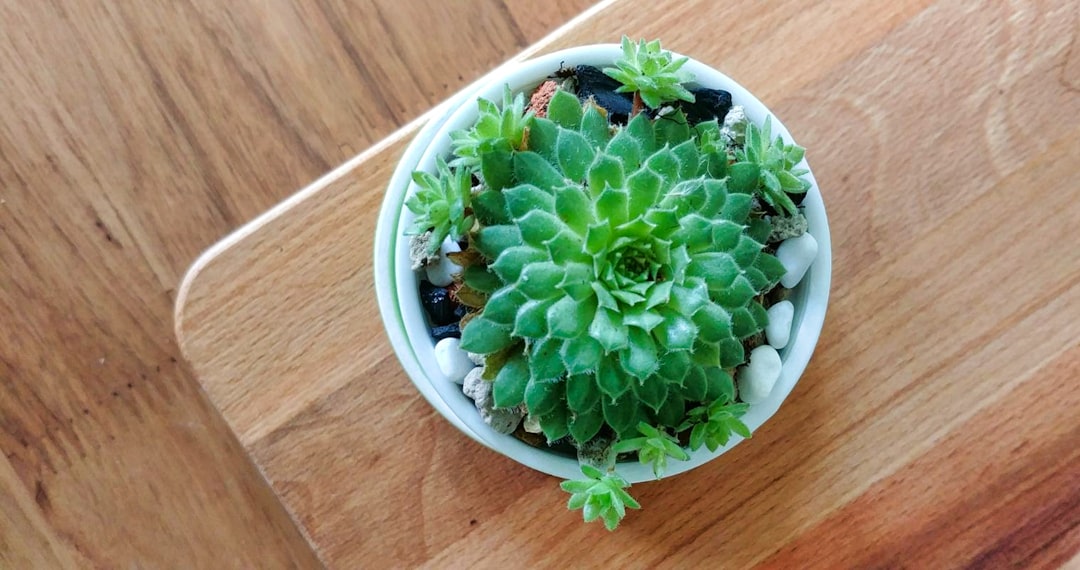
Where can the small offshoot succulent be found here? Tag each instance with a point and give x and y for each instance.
(776, 162)
(614, 272)
(440, 204)
(495, 130)
(651, 73)
(600, 496)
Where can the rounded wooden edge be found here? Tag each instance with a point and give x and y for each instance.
(191, 277)
(190, 280)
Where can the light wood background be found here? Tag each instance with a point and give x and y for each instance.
(132, 136)
(938, 424)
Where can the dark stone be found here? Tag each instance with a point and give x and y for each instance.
(451, 330)
(593, 83)
(437, 304)
(708, 104)
(460, 311)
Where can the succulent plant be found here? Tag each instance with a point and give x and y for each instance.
(495, 129)
(650, 71)
(713, 425)
(775, 161)
(613, 272)
(440, 204)
(621, 271)
(600, 495)
(653, 448)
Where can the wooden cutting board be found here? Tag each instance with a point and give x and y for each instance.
(936, 425)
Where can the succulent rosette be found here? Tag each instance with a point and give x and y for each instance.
(622, 269)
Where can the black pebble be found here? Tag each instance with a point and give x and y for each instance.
(451, 330)
(593, 83)
(708, 104)
(437, 303)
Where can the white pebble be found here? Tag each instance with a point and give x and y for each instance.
(757, 378)
(453, 362)
(778, 332)
(532, 424)
(441, 273)
(796, 254)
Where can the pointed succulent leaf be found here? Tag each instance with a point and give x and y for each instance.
(524, 198)
(582, 354)
(531, 319)
(719, 385)
(605, 171)
(555, 424)
(542, 396)
(509, 264)
(532, 168)
(627, 148)
(490, 208)
(594, 126)
(492, 240)
(540, 280)
(641, 128)
(695, 384)
(480, 279)
(564, 110)
(639, 358)
(574, 154)
(545, 362)
(586, 424)
(508, 390)
(574, 208)
(651, 392)
(611, 205)
(621, 414)
(497, 164)
(538, 227)
(673, 410)
(743, 177)
(542, 135)
(582, 392)
(731, 353)
(611, 380)
(485, 336)
(568, 318)
(672, 128)
(503, 306)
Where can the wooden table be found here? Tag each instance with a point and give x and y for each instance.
(936, 426)
(133, 135)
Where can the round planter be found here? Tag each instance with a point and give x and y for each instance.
(396, 283)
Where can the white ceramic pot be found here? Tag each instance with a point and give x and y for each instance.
(397, 284)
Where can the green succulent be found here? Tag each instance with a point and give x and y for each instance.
(441, 204)
(495, 129)
(775, 161)
(613, 273)
(600, 496)
(621, 272)
(714, 424)
(653, 448)
(651, 72)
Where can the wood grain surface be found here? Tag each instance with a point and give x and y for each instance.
(937, 425)
(132, 136)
